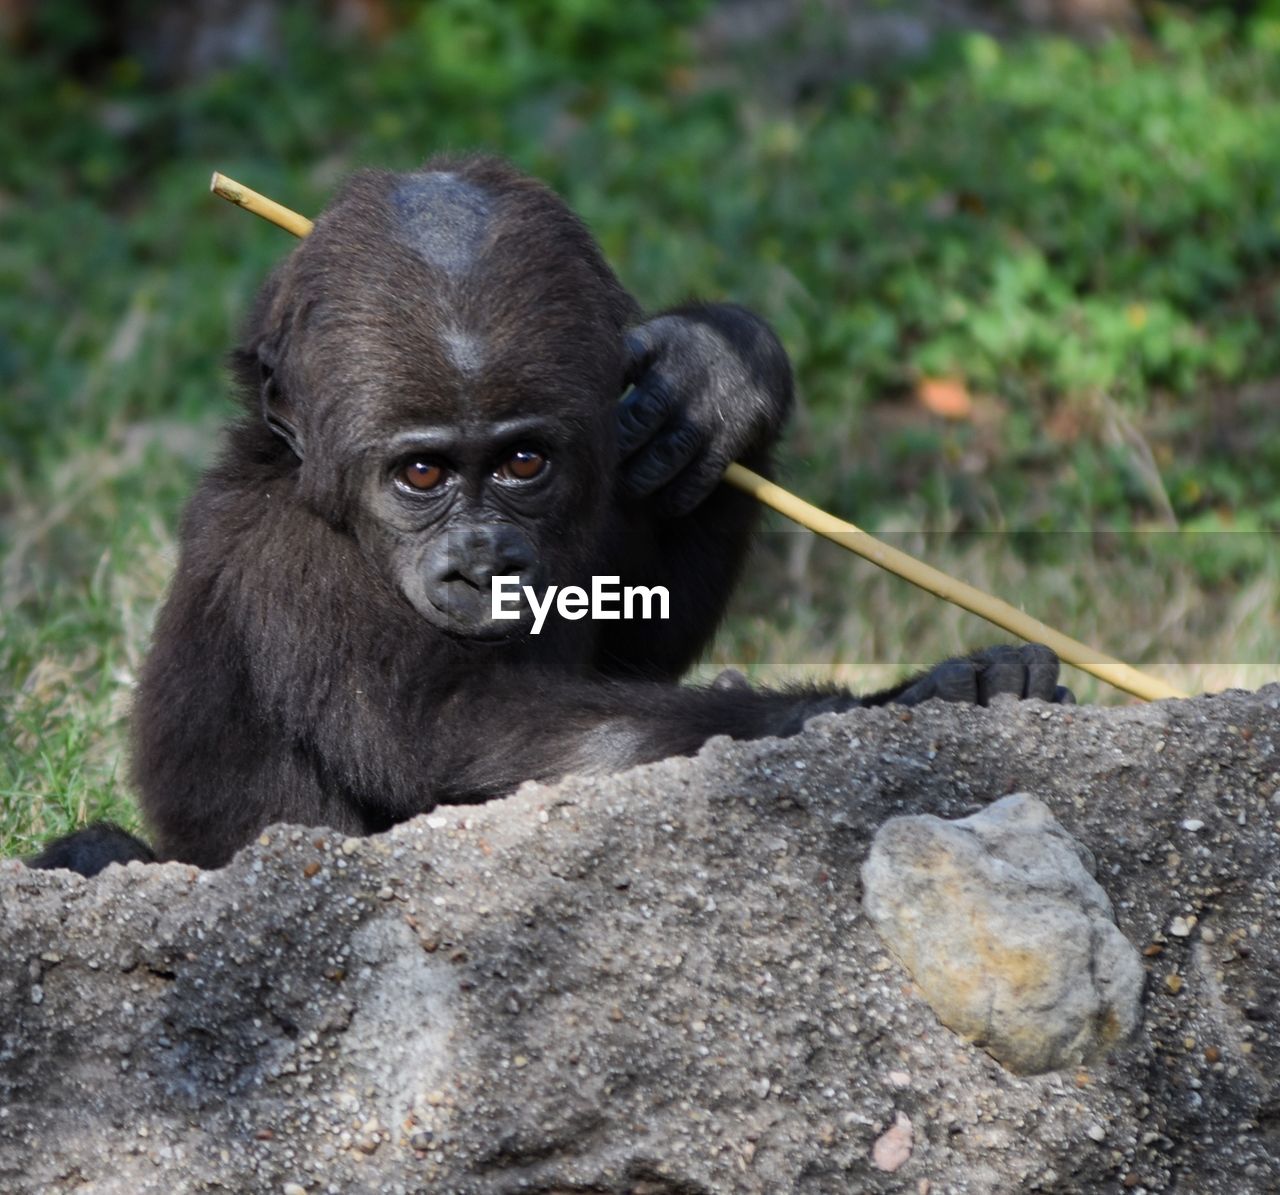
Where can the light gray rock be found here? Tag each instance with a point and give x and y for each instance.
(1000, 922)
(655, 983)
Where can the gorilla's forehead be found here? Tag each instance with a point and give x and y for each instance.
(441, 217)
(467, 353)
(462, 422)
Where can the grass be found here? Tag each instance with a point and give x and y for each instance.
(844, 620)
(1083, 245)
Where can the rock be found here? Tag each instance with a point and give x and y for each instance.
(893, 1147)
(1012, 941)
(200, 1007)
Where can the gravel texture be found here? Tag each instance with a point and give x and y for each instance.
(660, 983)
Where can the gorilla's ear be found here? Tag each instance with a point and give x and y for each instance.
(277, 410)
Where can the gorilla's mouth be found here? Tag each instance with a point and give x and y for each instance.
(492, 634)
(463, 609)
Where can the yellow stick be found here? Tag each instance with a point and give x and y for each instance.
(852, 538)
(993, 609)
(259, 205)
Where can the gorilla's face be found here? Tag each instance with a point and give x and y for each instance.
(460, 459)
(446, 509)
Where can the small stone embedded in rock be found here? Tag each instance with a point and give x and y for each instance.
(1006, 932)
(893, 1147)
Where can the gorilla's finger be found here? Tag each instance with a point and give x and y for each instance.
(916, 694)
(1000, 670)
(640, 349)
(692, 487)
(1042, 671)
(661, 460)
(1064, 696)
(643, 412)
(952, 680)
(956, 680)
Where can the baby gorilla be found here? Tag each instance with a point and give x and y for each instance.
(432, 381)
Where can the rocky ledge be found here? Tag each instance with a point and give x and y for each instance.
(665, 982)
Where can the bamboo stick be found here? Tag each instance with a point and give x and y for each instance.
(959, 593)
(259, 205)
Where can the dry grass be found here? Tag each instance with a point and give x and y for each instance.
(812, 612)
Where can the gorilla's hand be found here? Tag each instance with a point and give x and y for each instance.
(1029, 671)
(712, 385)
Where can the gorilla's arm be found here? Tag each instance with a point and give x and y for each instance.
(596, 728)
(502, 726)
(712, 385)
(601, 727)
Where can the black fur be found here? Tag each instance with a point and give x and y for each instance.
(89, 850)
(325, 655)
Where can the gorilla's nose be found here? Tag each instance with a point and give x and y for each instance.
(479, 554)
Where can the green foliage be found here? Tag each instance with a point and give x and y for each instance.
(1088, 239)
(1047, 222)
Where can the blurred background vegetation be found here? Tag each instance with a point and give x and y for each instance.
(1025, 255)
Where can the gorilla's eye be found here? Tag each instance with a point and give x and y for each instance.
(522, 465)
(421, 475)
